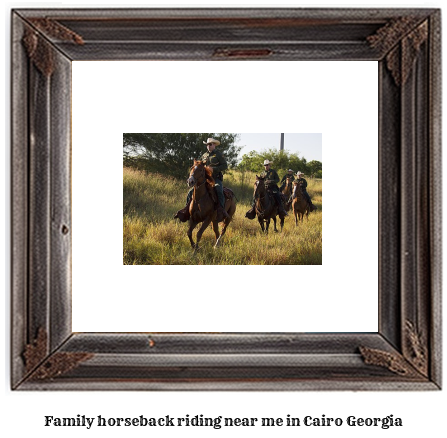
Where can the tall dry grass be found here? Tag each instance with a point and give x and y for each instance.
(152, 236)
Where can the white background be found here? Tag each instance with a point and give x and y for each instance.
(423, 413)
(110, 98)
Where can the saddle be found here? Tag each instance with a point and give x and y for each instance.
(228, 193)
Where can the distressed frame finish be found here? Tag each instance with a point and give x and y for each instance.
(405, 354)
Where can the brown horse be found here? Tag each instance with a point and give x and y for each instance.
(202, 204)
(287, 190)
(265, 206)
(299, 203)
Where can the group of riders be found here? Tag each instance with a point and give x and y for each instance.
(214, 159)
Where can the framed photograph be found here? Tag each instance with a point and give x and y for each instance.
(233, 212)
(190, 348)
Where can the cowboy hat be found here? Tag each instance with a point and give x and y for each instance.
(299, 173)
(211, 140)
(267, 162)
(290, 170)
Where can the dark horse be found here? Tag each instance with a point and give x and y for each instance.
(202, 207)
(300, 206)
(265, 206)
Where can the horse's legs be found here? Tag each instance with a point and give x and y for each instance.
(192, 225)
(204, 226)
(261, 222)
(231, 208)
(224, 229)
(282, 223)
(296, 217)
(274, 224)
(215, 228)
(216, 232)
(267, 224)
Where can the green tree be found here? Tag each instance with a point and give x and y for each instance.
(173, 154)
(251, 162)
(282, 161)
(315, 168)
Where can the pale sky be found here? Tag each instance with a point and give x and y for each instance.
(309, 146)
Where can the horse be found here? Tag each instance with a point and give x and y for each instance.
(265, 206)
(300, 207)
(286, 192)
(202, 204)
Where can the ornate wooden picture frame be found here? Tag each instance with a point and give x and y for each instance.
(405, 353)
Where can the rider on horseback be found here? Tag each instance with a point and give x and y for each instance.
(271, 183)
(216, 161)
(288, 176)
(303, 185)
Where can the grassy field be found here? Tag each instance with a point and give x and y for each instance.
(152, 236)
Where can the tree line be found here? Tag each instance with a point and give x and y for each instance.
(282, 162)
(173, 154)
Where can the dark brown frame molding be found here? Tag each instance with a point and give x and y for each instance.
(405, 354)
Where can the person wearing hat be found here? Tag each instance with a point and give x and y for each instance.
(288, 176)
(271, 180)
(303, 183)
(214, 159)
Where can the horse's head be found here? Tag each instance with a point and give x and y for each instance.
(259, 187)
(288, 188)
(197, 173)
(297, 189)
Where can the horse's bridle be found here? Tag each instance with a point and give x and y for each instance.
(258, 211)
(191, 181)
(297, 188)
(257, 196)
